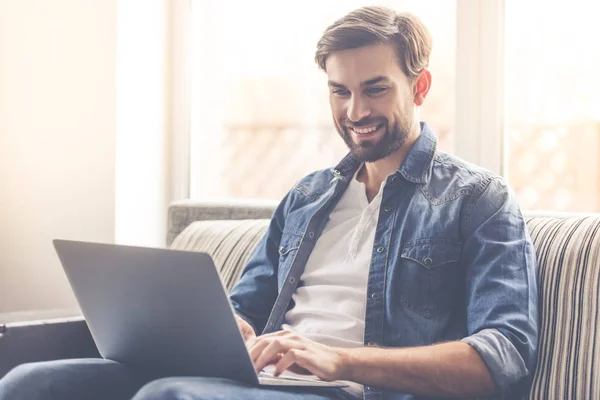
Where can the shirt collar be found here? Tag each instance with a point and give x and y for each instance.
(416, 166)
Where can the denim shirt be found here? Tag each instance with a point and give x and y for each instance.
(452, 261)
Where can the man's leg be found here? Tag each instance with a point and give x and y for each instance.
(90, 379)
(225, 389)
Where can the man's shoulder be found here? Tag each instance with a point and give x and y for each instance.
(453, 175)
(315, 184)
(459, 166)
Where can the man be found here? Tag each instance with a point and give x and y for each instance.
(404, 271)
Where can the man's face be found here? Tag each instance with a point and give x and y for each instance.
(371, 99)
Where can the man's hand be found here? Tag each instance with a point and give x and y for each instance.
(247, 331)
(288, 350)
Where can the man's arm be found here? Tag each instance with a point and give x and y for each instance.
(452, 369)
(254, 295)
(501, 288)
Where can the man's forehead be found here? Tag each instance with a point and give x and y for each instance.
(357, 66)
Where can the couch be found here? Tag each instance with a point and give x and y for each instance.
(567, 249)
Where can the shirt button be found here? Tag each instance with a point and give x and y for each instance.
(292, 279)
(394, 179)
(311, 234)
(380, 249)
(428, 261)
(375, 296)
(387, 208)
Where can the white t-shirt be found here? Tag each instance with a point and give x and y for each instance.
(330, 302)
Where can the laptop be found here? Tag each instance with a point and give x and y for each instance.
(165, 311)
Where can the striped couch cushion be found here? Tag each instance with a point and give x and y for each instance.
(229, 242)
(568, 252)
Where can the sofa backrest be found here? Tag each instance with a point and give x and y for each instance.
(183, 213)
(568, 254)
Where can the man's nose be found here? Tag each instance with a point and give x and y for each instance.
(358, 109)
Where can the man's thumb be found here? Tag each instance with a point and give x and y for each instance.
(248, 333)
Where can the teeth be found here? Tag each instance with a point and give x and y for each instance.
(366, 130)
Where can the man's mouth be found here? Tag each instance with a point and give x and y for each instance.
(366, 130)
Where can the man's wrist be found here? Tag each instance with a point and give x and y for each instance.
(348, 364)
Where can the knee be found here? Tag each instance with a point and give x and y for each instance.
(161, 389)
(196, 388)
(27, 381)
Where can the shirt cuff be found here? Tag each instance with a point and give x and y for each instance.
(505, 364)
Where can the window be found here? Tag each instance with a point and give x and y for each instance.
(260, 111)
(553, 104)
(526, 88)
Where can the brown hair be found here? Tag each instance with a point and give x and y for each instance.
(370, 25)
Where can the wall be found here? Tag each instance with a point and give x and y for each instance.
(57, 142)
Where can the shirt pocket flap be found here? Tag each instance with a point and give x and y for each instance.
(432, 255)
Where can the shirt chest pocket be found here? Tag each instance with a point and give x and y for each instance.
(429, 276)
(288, 247)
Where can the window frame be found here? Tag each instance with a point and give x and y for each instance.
(480, 91)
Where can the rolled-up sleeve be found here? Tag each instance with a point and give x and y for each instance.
(501, 287)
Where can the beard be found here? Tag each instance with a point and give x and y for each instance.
(392, 140)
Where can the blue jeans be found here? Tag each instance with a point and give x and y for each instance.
(97, 379)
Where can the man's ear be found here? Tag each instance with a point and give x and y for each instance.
(422, 86)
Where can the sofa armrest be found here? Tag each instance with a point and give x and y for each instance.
(43, 341)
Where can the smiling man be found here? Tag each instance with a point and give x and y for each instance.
(404, 271)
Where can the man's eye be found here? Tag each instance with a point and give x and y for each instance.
(341, 92)
(376, 90)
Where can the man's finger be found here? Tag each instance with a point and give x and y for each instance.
(291, 358)
(256, 346)
(284, 332)
(248, 335)
(270, 353)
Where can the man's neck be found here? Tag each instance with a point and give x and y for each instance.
(372, 174)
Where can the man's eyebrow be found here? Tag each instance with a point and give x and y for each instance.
(377, 79)
(372, 81)
(335, 84)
